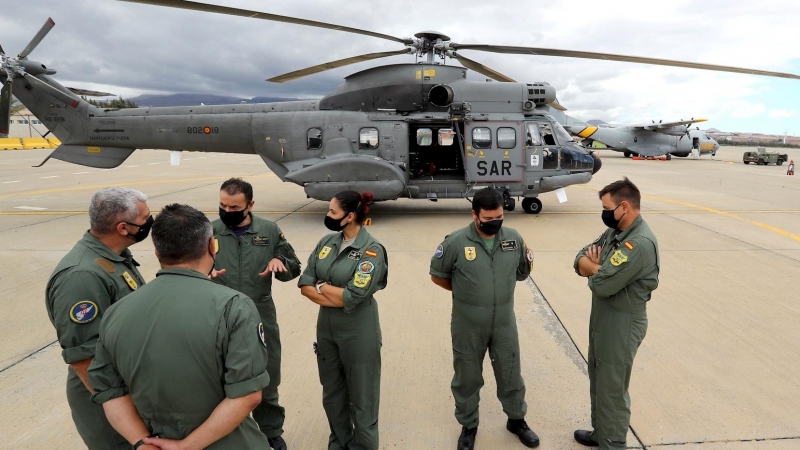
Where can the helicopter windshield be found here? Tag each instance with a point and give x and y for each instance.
(562, 134)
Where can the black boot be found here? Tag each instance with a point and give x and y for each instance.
(277, 443)
(584, 437)
(523, 432)
(467, 439)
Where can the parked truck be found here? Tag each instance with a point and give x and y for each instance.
(762, 157)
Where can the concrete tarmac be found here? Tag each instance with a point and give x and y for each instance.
(717, 370)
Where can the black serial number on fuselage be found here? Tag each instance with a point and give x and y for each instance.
(202, 130)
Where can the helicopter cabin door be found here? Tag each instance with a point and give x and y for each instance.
(541, 151)
(494, 151)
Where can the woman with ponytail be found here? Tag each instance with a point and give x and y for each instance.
(343, 272)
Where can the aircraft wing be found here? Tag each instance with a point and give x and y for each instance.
(664, 125)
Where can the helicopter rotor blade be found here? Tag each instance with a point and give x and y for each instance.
(613, 57)
(480, 68)
(38, 38)
(205, 7)
(39, 84)
(332, 65)
(556, 105)
(89, 93)
(5, 108)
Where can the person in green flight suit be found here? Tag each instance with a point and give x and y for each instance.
(249, 251)
(95, 274)
(343, 273)
(481, 264)
(622, 266)
(181, 363)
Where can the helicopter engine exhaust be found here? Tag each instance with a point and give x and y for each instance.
(441, 95)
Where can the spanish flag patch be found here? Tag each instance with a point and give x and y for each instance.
(370, 253)
(629, 245)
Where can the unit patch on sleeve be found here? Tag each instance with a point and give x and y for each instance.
(83, 312)
(508, 246)
(469, 253)
(261, 335)
(439, 252)
(260, 240)
(324, 252)
(361, 280)
(129, 279)
(216, 245)
(618, 258)
(366, 267)
(529, 255)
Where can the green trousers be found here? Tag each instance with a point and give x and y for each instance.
(476, 329)
(269, 415)
(349, 361)
(614, 338)
(89, 418)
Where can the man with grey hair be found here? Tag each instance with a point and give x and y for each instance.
(96, 273)
(183, 358)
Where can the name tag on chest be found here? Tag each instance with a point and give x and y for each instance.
(508, 246)
(355, 254)
(260, 240)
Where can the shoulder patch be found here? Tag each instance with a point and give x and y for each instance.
(366, 267)
(261, 335)
(106, 265)
(439, 252)
(83, 312)
(281, 236)
(371, 253)
(129, 279)
(529, 255)
(629, 245)
(469, 253)
(618, 258)
(361, 280)
(324, 252)
(216, 245)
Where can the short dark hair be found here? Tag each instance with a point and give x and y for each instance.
(487, 199)
(354, 202)
(235, 186)
(181, 234)
(621, 190)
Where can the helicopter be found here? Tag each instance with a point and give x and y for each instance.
(417, 130)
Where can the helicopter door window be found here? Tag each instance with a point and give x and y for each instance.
(506, 137)
(481, 137)
(445, 137)
(368, 138)
(314, 139)
(424, 137)
(532, 136)
(547, 134)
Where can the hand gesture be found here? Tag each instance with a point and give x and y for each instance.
(275, 265)
(593, 253)
(163, 444)
(215, 273)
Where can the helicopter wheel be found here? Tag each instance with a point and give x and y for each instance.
(627, 154)
(669, 156)
(532, 205)
(510, 204)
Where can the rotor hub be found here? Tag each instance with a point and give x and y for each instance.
(432, 36)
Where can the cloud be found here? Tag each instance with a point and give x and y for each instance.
(782, 113)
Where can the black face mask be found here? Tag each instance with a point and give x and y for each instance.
(490, 227)
(144, 229)
(232, 218)
(335, 224)
(608, 217)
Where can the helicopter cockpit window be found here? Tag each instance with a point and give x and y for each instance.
(532, 136)
(314, 139)
(562, 134)
(368, 138)
(481, 137)
(424, 137)
(547, 134)
(550, 158)
(506, 137)
(445, 137)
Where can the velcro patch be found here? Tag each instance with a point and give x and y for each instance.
(129, 279)
(629, 245)
(618, 258)
(371, 253)
(260, 240)
(366, 267)
(361, 280)
(439, 252)
(508, 246)
(355, 254)
(83, 312)
(106, 265)
(261, 335)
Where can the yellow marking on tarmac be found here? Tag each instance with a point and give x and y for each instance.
(588, 131)
(135, 183)
(719, 212)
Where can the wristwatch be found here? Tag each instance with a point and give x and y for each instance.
(319, 285)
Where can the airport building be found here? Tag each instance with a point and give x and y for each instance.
(25, 125)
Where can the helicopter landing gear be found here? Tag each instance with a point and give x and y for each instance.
(669, 156)
(508, 202)
(627, 154)
(532, 205)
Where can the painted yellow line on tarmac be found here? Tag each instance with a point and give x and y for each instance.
(720, 212)
(134, 183)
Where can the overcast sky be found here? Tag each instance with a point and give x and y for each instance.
(131, 49)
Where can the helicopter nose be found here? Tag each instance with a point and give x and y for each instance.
(598, 163)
